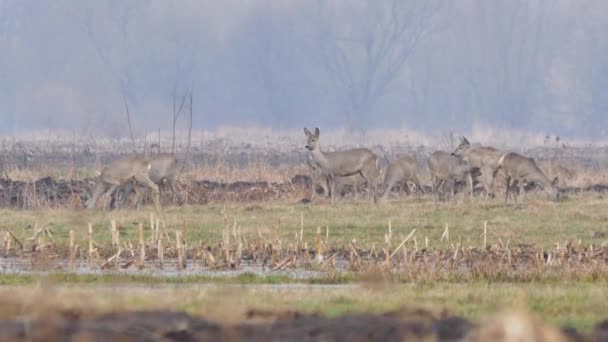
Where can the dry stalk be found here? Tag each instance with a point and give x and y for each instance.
(160, 253)
(178, 246)
(283, 264)
(72, 250)
(485, 235)
(142, 246)
(15, 238)
(319, 247)
(114, 233)
(6, 243)
(91, 250)
(114, 258)
(399, 247)
(446, 234)
(239, 249)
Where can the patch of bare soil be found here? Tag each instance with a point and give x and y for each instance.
(49, 192)
(403, 325)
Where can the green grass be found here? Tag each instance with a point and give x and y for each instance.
(579, 303)
(141, 279)
(576, 304)
(581, 217)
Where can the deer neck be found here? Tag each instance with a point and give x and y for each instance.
(320, 158)
(546, 183)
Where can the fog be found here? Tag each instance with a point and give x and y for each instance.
(426, 65)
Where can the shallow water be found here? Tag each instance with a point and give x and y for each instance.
(152, 268)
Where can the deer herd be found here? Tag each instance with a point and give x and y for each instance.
(335, 172)
(460, 169)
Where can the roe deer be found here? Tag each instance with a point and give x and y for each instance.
(398, 173)
(318, 179)
(163, 168)
(118, 173)
(360, 161)
(522, 170)
(447, 168)
(483, 158)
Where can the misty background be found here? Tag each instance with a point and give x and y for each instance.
(426, 65)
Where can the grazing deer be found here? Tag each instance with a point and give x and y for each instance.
(163, 169)
(522, 170)
(447, 168)
(398, 173)
(120, 172)
(360, 161)
(483, 158)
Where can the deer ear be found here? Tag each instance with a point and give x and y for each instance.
(555, 182)
(465, 141)
(317, 132)
(307, 132)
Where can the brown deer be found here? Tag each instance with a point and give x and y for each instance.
(447, 168)
(483, 158)
(120, 172)
(319, 180)
(360, 161)
(163, 169)
(399, 172)
(522, 170)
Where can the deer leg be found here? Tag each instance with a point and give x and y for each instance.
(171, 181)
(332, 189)
(436, 184)
(440, 188)
(138, 196)
(372, 189)
(112, 192)
(508, 185)
(144, 179)
(388, 187)
(488, 186)
(313, 187)
(355, 192)
(100, 189)
(122, 193)
(522, 191)
(406, 187)
(416, 182)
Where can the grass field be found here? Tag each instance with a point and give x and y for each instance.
(540, 222)
(567, 302)
(575, 304)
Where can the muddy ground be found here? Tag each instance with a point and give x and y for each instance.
(49, 192)
(402, 325)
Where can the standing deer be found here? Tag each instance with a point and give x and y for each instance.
(360, 161)
(483, 158)
(447, 168)
(399, 173)
(163, 168)
(318, 179)
(120, 172)
(522, 170)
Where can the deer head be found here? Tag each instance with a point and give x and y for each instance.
(462, 147)
(313, 139)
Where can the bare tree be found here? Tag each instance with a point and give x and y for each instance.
(176, 112)
(366, 55)
(187, 160)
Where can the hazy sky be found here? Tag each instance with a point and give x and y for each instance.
(430, 65)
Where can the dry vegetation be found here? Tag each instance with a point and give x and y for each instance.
(472, 256)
